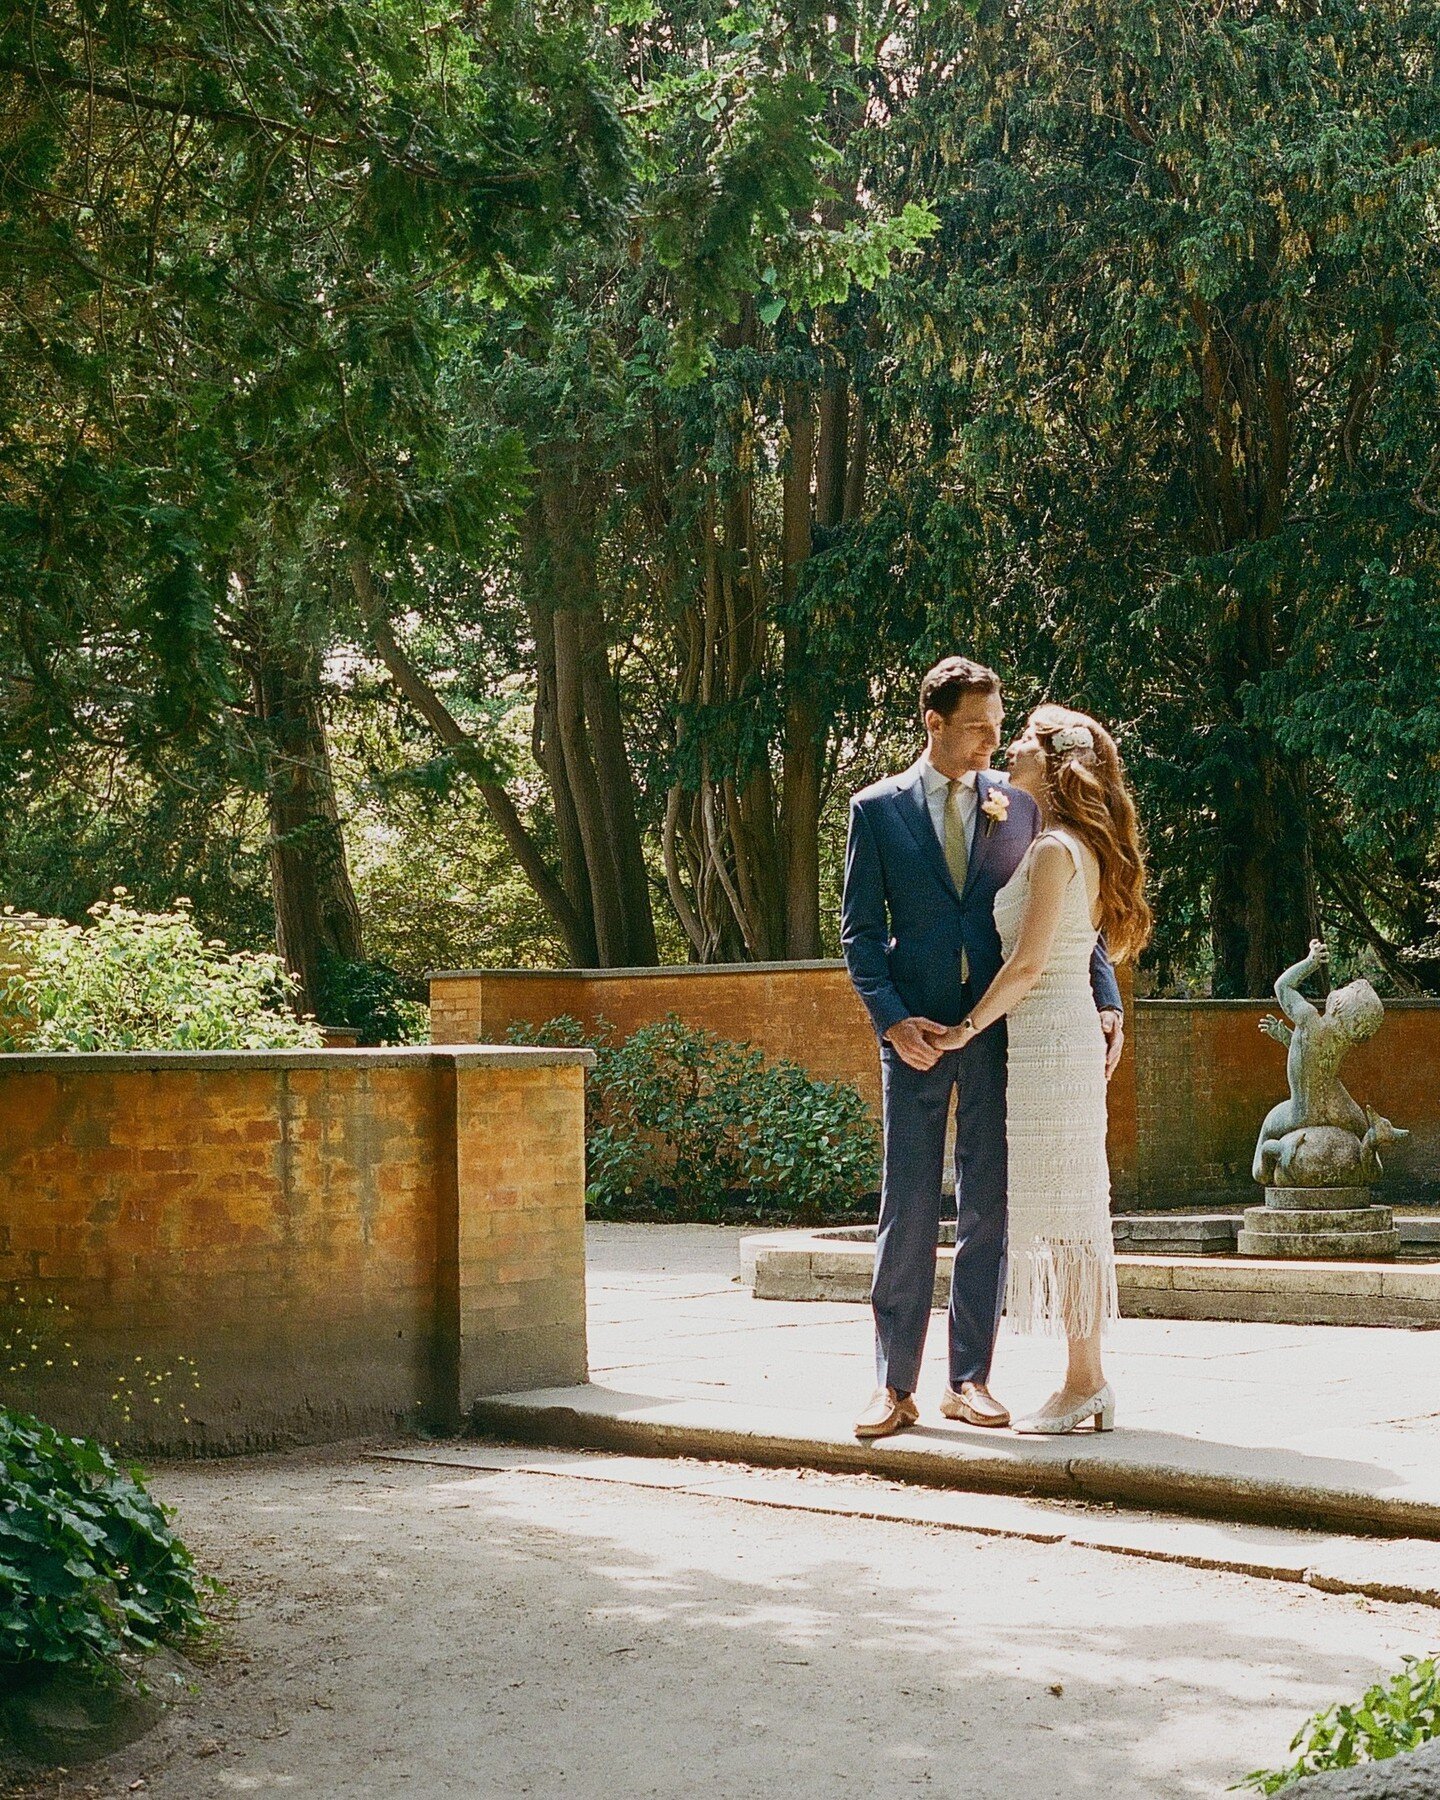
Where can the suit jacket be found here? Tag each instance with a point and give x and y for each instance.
(903, 925)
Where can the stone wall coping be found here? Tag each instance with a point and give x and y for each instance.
(135, 1062)
(747, 968)
(1392, 1004)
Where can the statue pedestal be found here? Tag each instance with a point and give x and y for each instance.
(1319, 1224)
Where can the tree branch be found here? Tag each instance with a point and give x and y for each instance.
(51, 80)
(451, 732)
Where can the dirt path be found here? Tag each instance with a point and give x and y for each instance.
(412, 1631)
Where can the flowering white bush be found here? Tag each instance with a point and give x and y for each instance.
(143, 981)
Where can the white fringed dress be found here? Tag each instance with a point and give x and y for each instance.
(1061, 1276)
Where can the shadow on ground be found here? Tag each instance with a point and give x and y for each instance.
(404, 1634)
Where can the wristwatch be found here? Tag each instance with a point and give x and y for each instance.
(968, 1026)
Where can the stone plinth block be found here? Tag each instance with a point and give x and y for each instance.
(1184, 1234)
(1317, 1221)
(1317, 1199)
(1320, 1234)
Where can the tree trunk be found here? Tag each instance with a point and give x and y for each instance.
(545, 743)
(611, 938)
(1263, 906)
(418, 692)
(317, 919)
(617, 790)
(592, 781)
(801, 753)
(1263, 910)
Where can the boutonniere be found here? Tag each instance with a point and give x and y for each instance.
(996, 808)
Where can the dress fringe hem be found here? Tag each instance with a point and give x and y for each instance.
(1057, 1287)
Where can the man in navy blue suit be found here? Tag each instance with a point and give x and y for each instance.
(927, 852)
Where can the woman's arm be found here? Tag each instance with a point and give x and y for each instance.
(1052, 869)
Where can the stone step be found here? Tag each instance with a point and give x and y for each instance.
(1161, 1469)
(1319, 1246)
(1348, 1218)
(1299, 1288)
(1189, 1233)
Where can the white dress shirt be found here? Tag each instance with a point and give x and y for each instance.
(937, 792)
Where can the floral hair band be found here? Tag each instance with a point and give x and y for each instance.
(1073, 737)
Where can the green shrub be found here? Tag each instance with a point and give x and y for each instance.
(90, 1571)
(681, 1116)
(374, 1001)
(145, 981)
(1394, 1716)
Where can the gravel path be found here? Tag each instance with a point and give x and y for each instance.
(403, 1630)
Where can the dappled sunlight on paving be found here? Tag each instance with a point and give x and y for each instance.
(506, 1633)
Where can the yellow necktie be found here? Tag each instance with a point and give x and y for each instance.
(957, 852)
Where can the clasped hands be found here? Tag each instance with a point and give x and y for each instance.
(920, 1042)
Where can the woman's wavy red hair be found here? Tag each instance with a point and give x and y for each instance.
(1086, 792)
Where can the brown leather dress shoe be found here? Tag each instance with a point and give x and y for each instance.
(974, 1404)
(887, 1413)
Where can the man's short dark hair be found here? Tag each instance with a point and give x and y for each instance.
(947, 684)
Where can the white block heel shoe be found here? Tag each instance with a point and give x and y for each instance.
(1099, 1407)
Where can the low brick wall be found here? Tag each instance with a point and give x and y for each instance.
(1185, 1105)
(804, 1011)
(1208, 1075)
(340, 1241)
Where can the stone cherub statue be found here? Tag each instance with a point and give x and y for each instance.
(1320, 1136)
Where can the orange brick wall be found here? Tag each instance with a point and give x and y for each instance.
(340, 1241)
(805, 1012)
(1208, 1076)
(1185, 1104)
(521, 1141)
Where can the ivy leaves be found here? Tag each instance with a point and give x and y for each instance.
(90, 1570)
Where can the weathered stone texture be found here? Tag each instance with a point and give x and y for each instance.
(1412, 1777)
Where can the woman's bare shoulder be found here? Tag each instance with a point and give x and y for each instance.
(1051, 858)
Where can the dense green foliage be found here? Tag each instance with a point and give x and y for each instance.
(1390, 1718)
(601, 416)
(90, 1570)
(683, 1120)
(1180, 326)
(144, 981)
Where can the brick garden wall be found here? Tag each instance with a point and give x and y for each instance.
(340, 1241)
(804, 1011)
(1207, 1077)
(1185, 1105)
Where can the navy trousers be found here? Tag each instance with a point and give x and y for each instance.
(916, 1108)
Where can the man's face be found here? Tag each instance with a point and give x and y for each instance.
(970, 736)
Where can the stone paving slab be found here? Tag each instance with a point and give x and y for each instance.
(1404, 1570)
(1335, 1427)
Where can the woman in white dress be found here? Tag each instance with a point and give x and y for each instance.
(1083, 874)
